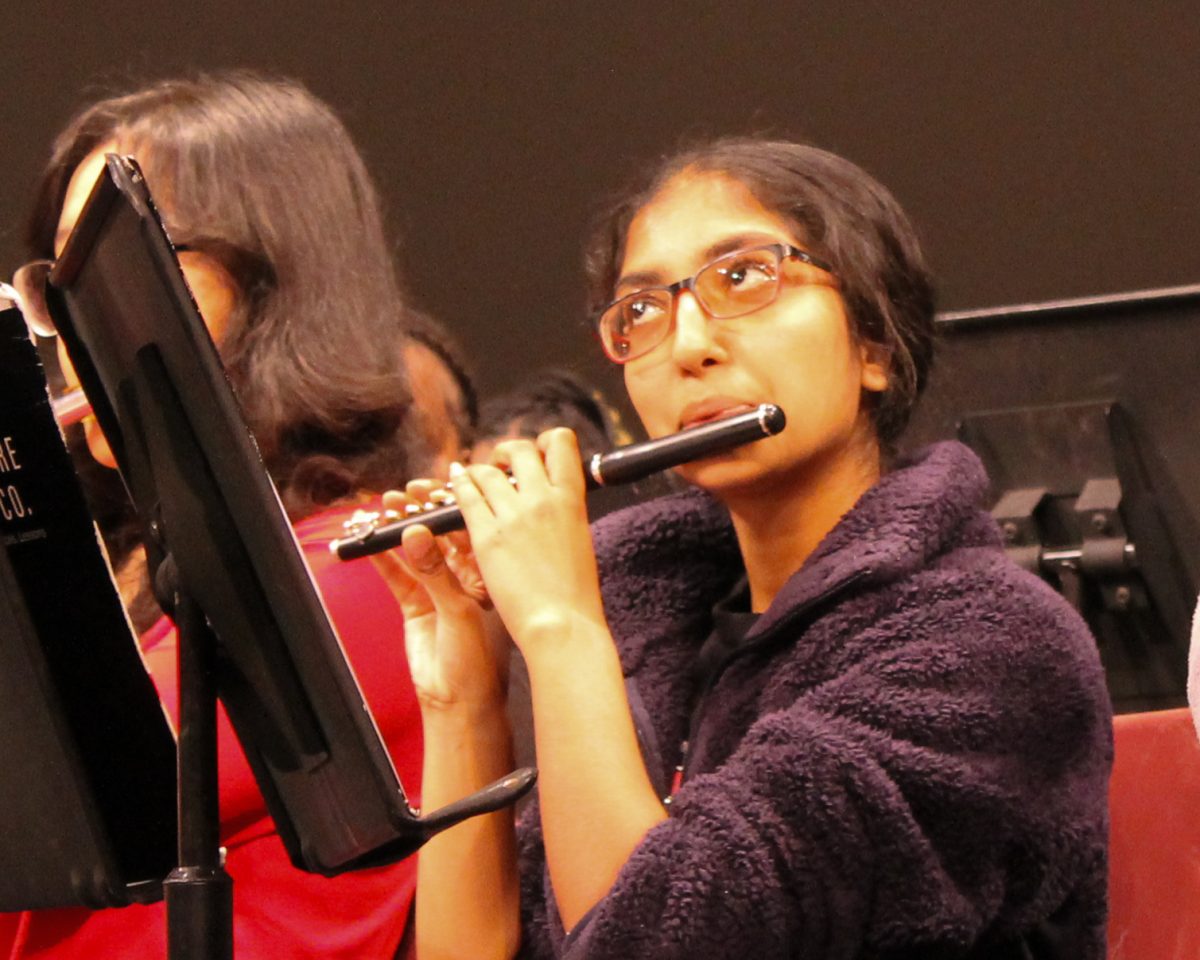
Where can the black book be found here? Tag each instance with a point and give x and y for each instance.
(87, 758)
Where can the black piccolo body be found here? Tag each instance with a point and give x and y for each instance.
(622, 465)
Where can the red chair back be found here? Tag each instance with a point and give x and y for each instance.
(1154, 853)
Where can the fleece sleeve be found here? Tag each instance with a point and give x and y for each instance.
(939, 789)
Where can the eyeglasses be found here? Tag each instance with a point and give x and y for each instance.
(30, 283)
(731, 286)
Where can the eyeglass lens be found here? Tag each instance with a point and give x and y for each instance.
(739, 283)
(729, 287)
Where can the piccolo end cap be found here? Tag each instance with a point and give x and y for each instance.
(772, 419)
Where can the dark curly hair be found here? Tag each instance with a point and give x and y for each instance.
(554, 398)
(841, 214)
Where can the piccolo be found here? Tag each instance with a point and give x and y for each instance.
(377, 533)
(71, 407)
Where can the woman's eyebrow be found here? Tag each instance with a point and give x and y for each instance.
(730, 244)
(644, 278)
(739, 241)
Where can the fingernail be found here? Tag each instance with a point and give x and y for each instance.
(427, 560)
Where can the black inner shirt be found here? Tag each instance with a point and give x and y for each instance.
(731, 621)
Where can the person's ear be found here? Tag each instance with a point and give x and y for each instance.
(876, 364)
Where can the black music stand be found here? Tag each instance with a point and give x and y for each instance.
(87, 797)
(1082, 412)
(252, 628)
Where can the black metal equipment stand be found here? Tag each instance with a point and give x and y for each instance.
(198, 892)
(1081, 504)
(225, 563)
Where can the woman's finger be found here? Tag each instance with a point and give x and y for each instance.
(432, 492)
(395, 500)
(460, 542)
(425, 558)
(475, 510)
(422, 552)
(412, 598)
(416, 493)
(482, 491)
(560, 449)
(419, 490)
(463, 565)
(525, 461)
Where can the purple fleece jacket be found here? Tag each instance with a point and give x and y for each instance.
(908, 757)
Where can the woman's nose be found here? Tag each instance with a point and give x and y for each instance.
(694, 345)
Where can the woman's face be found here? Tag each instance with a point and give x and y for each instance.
(212, 287)
(797, 352)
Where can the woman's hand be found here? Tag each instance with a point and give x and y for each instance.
(531, 542)
(456, 546)
(470, 902)
(452, 657)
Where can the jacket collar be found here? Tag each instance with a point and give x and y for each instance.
(926, 504)
(680, 550)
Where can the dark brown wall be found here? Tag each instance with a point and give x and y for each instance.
(1047, 149)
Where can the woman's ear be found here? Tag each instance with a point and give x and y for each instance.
(876, 365)
(213, 288)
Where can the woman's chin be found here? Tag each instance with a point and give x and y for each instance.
(722, 475)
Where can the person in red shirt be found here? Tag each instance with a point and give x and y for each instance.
(281, 239)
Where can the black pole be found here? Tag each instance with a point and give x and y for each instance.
(198, 893)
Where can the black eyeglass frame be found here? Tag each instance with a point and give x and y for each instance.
(783, 251)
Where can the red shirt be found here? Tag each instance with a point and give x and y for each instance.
(279, 912)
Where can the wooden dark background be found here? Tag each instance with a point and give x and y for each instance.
(1046, 150)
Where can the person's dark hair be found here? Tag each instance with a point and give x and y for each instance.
(261, 175)
(838, 212)
(555, 398)
(423, 329)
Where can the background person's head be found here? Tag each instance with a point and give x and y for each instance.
(445, 404)
(838, 213)
(558, 398)
(552, 398)
(285, 250)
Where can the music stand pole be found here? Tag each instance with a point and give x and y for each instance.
(198, 892)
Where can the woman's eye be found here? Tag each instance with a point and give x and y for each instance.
(640, 311)
(747, 274)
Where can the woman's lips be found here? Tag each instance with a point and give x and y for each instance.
(715, 408)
